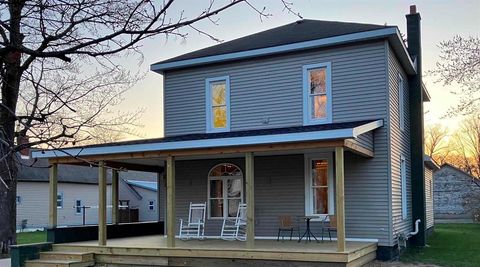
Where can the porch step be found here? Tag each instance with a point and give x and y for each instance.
(67, 255)
(58, 263)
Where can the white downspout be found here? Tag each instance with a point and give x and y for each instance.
(417, 222)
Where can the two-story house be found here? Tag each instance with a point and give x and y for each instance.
(312, 119)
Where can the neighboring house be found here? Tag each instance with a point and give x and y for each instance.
(143, 195)
(456, 195)
(323, 118)
(430, 168)
(77, 187)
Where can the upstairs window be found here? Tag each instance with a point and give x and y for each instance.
(218, 104)
(317, 94)
(401, 102)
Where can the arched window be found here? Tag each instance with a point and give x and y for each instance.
(225, 190)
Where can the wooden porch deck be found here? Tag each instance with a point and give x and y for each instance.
(153, 251)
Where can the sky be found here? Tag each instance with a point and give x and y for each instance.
(441, 20)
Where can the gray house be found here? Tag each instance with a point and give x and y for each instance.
(310, 119)
(457, 195)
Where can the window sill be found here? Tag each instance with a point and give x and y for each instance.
(317, 122)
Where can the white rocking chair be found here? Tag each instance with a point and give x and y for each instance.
(195, 227)
(235, 229)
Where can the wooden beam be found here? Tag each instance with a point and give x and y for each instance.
(355, 148)
(102, 204)
(340, 198)
(115, 197)
(116, 165)
(249, 178)
(171, 215)
(203, 151)
(53, 191)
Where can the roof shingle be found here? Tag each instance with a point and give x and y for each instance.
(300, 31)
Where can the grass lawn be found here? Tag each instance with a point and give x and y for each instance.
(31, 237)
(450, 245)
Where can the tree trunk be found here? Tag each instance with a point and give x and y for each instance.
(8, 170)
(10, 89)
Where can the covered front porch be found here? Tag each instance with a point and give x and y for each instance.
(255, 155)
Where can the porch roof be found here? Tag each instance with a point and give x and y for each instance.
(332, 131)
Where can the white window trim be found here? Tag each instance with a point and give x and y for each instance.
(61, 194)
(148, 208)
(401, 102)
(308, 183)
(81, 204)
(306, 92)
(224, 193)
(208, 104)
(403, 185)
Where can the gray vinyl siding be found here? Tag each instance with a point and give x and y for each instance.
(280, 190)
(34, 205)
(429, 197)
(400, 145)
(271, 87)
(365, 140)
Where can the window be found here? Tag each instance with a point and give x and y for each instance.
(317, 94)
(151, 205)
(78, 206)
(60, 200)
(218, 104)
(225, 190)
(401, 103)
(403, 176)
(19, 200)
(319, 193)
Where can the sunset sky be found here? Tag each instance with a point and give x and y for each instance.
(441, 20)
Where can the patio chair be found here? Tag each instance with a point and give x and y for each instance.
(195, 226)
(286, 224)
(329, 224)
(235, 229)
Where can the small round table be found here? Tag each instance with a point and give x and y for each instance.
(308, 233)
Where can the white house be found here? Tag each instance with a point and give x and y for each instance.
(77, 198)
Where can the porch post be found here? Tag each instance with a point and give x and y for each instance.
(102, 204)
(171, 216)
(159, 196)
(114, 197)
(52, 204)
(249, 177)
(340, 198)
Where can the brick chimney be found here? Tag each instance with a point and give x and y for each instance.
(416, 127)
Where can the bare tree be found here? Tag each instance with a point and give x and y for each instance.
(45, 47)
(467, 145)
(459, 65)
(436, 143)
